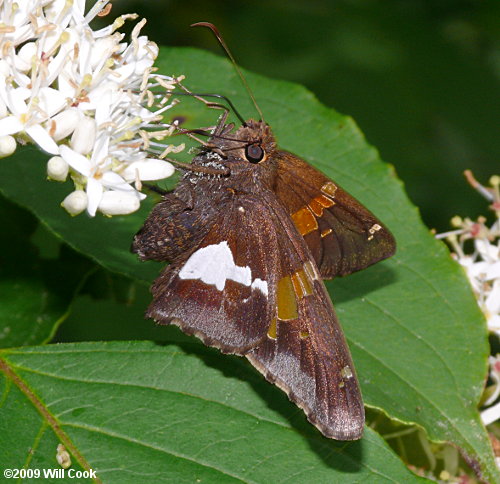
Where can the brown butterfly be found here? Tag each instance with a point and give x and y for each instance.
(251, 231)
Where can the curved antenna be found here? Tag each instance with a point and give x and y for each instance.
(218, 96)
(213, 28)
(204, 132)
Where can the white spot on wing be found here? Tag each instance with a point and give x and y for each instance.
(260, 285)
(214, 265)
(346, 372)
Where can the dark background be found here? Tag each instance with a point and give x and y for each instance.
(421, 78)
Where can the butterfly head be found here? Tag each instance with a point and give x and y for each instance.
(249, 149)
(255, 142)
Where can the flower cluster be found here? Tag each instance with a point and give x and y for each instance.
(492, 412)
(482, 266)
(84, 97)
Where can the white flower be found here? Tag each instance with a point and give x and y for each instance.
(83, 95)
(99, 177)
(26, 112)
(492, 414)
(482, 267)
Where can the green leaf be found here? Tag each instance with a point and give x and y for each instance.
(417, 336)
(36, 292)
(106, 240)
(137, 412)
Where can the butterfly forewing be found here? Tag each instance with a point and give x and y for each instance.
(309, 360)
(305, 353)
(341, 233)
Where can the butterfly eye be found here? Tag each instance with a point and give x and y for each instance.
(254, 153)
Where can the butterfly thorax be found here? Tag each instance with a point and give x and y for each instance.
(245, 158)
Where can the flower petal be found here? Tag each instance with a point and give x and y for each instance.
(42, 139)
(115, 181)
(51, 101)
(492, 302)
(488, 251)
(491, 414)
(77, 161)
(493, 271)
(10, 125)
(94, 193)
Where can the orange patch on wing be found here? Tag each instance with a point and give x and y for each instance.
(272, 332)
(305, 218)
(318, 204)
(305, 221)
(287, 303)
(311, 271)
(329, 188)
(301, 284)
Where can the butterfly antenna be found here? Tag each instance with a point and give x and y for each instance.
(216, 32)
(218, 96)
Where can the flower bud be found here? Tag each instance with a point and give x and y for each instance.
(65, 123)
(7, 146)
(150, 169)
(83, 138)
(75, 202)
(57, 169)
(117, 202)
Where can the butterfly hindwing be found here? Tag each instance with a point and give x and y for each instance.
(220, 290)
(171, 230)
(341, 233)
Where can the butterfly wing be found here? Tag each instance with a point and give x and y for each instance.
(308, 358)
(305, 352)
(341, 233)
(252, 288)
(171, 230)
(219, 291)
